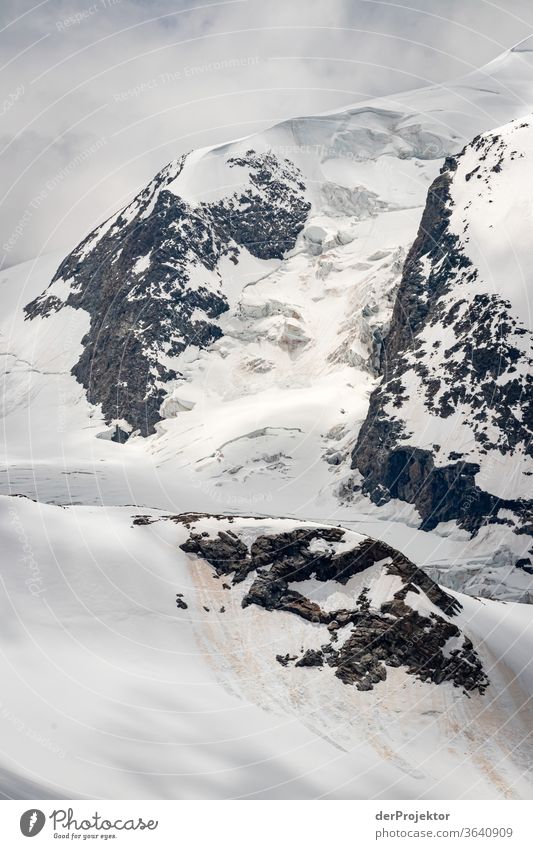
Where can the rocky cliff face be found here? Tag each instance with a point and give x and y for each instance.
(151, 279)
(449, 427)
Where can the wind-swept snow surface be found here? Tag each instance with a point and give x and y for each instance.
(111, 690)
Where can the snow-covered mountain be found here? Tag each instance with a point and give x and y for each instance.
(324, 328)
(449, 428)
(152, 278)
(237, 311)
(158, 277)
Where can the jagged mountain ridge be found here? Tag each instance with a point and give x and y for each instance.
(449, 428)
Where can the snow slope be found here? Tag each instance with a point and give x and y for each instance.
(112, 691)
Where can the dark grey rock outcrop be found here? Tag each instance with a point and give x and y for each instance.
(427, 645)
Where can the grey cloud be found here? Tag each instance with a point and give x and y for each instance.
(98, 94)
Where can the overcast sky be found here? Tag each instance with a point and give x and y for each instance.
(97, 95)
